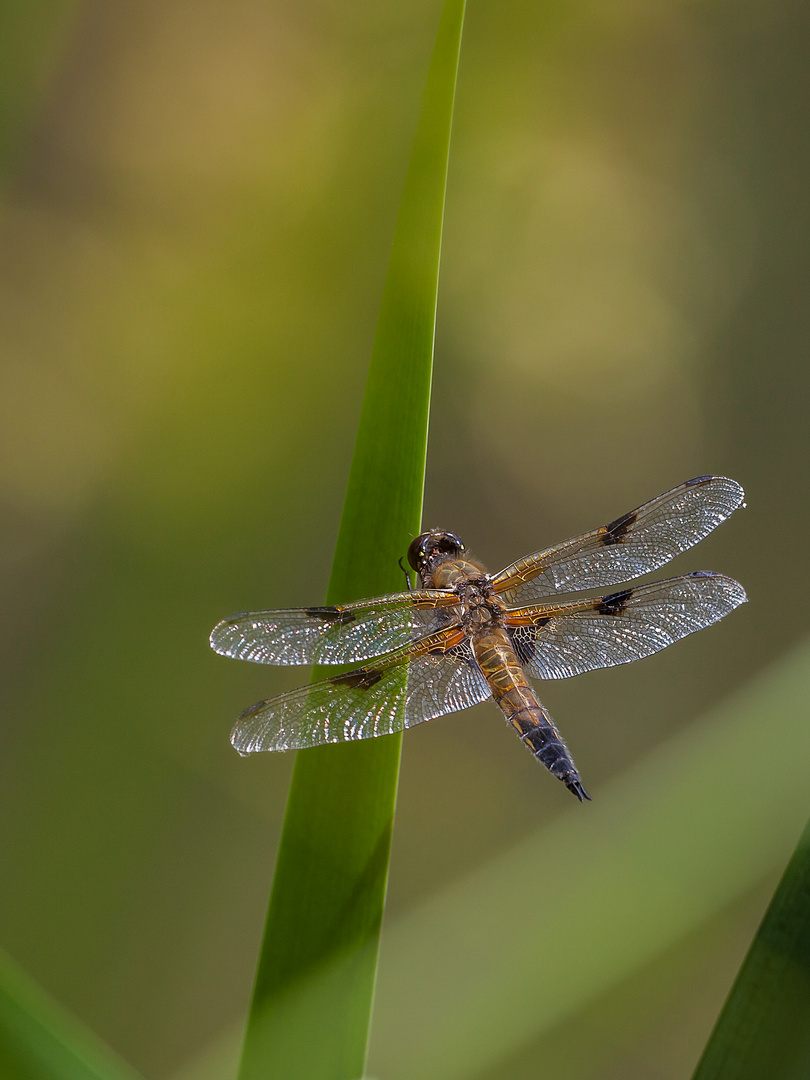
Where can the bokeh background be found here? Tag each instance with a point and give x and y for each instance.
(196, 207)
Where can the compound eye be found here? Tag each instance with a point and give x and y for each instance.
(416, 552)
(452, 543)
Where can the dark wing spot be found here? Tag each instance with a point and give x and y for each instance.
(697, 480)
(615, 603)
(617, 530)
(331, 615)
(704, 573)
(359, 679)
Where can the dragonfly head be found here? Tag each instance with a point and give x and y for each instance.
(432, 545)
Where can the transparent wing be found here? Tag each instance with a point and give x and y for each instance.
(632, 545)
(555, 642)
(337, 634)
(434, 676)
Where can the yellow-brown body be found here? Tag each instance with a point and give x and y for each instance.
(482, 618)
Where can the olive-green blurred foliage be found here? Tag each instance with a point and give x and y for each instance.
(196, 213)
(40, 1040)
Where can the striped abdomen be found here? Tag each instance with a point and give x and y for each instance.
(502, 670)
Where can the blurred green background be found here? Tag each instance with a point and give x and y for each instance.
(197, 202)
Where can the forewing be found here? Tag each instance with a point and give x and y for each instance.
(632, 545)
(434, 676)
(555, 642)
(336, 634)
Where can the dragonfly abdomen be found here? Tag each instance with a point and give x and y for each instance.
(516, 699)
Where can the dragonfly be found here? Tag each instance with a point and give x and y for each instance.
(466, 635)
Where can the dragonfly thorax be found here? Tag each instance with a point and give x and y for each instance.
(480, 608)
(462, 573)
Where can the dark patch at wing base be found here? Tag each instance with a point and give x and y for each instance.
(524, 640)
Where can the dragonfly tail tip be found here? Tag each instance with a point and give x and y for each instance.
(574, 785)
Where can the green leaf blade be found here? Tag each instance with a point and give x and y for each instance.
(311, 1007)
(764, 1027)
(383, 502)
(39, 1040)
